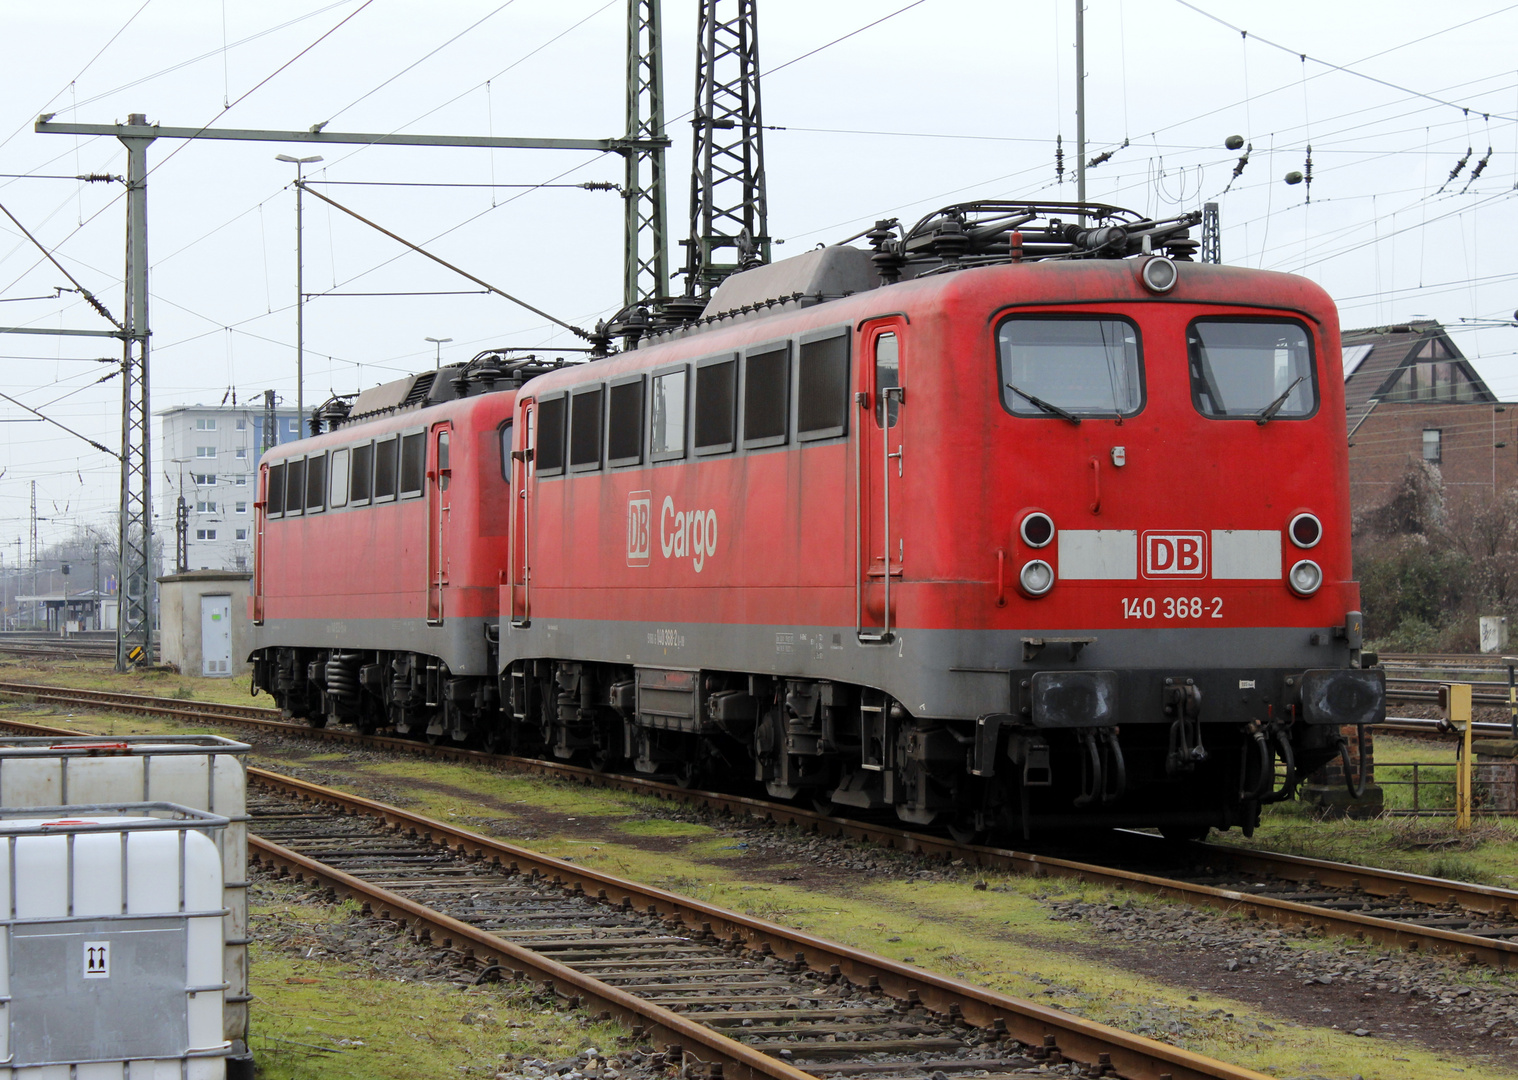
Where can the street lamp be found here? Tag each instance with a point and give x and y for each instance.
(300, 291)
(438, 341)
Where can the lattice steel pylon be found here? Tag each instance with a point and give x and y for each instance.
(1212, 234)
(271, 422)
(728, 211)
(645, 263)
(134, 603)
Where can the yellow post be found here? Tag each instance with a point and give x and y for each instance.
(1457, 697)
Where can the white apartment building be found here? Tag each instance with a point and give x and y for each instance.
(209, 454)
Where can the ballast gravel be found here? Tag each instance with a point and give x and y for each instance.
(1298, 975)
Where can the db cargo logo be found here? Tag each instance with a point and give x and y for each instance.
(1175, 554)
(639, 514)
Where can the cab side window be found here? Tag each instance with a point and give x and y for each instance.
(887, 376)
(667, 414)
(716, 404)
(274, 502)
(549, 452)
(766, 396)
(386, 460)
(361, 479)
(624, 422)
(822, 387)
(413, 462)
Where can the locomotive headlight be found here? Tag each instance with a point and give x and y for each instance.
(1036, 577)
(1305, 530)
(1305, 577)
(1158, 274)
(1037, 529)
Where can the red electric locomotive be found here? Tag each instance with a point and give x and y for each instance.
(1019, 519)
(996, 526)
(378, 550)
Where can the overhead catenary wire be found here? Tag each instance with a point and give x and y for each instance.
(111, 202)
(89, 297)
(416, 63)
(1329, 64)
(585, 334)
(88, 64)
(208, 55)
(1317, 150)
(56, 424)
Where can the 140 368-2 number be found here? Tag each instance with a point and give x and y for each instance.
(1172, 607)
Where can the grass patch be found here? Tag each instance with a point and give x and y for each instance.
(1000, 937)
(544, 793)
(333, 1020)
(91, 723)
(663, 827)
(1487, 855)
(101, 675)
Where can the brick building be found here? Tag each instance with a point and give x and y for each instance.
(1411, 394)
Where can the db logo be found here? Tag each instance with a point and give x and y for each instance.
(1175, 554)
(639, 515)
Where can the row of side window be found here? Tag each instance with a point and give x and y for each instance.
(377, 471)
(768, 395)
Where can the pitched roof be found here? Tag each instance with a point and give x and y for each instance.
(1377, 357)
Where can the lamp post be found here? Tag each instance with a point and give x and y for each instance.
(438, 341)
(300, 291)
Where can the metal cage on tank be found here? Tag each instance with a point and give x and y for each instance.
(112, 966)
(204, 772)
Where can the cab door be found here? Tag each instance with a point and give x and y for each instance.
(439, 505)
(880, 395)
(518, 570)
(260, 514)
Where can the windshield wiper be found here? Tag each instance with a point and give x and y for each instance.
(1052, 410)
(1275, 406)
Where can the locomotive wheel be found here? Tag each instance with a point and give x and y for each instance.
(493, 740)
(963, 830)
(318, 720)
(690, 773)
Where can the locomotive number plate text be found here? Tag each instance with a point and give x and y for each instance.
(1172, 607)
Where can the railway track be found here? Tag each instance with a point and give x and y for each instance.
(1477, 923)
(721, 988)
(58, 650)
(1447, 661)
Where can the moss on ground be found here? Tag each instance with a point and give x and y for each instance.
(99, 675)
(1431, 845)
(341, 1020)
(507, 788)
(1000, 937)
(664, 827)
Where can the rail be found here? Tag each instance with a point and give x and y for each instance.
(1415, 927)
(1036, 1026)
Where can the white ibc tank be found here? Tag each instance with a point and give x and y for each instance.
(111, 959)
(203, 772)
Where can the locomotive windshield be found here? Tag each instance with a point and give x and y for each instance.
(1257, 368)
(1070, 367)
